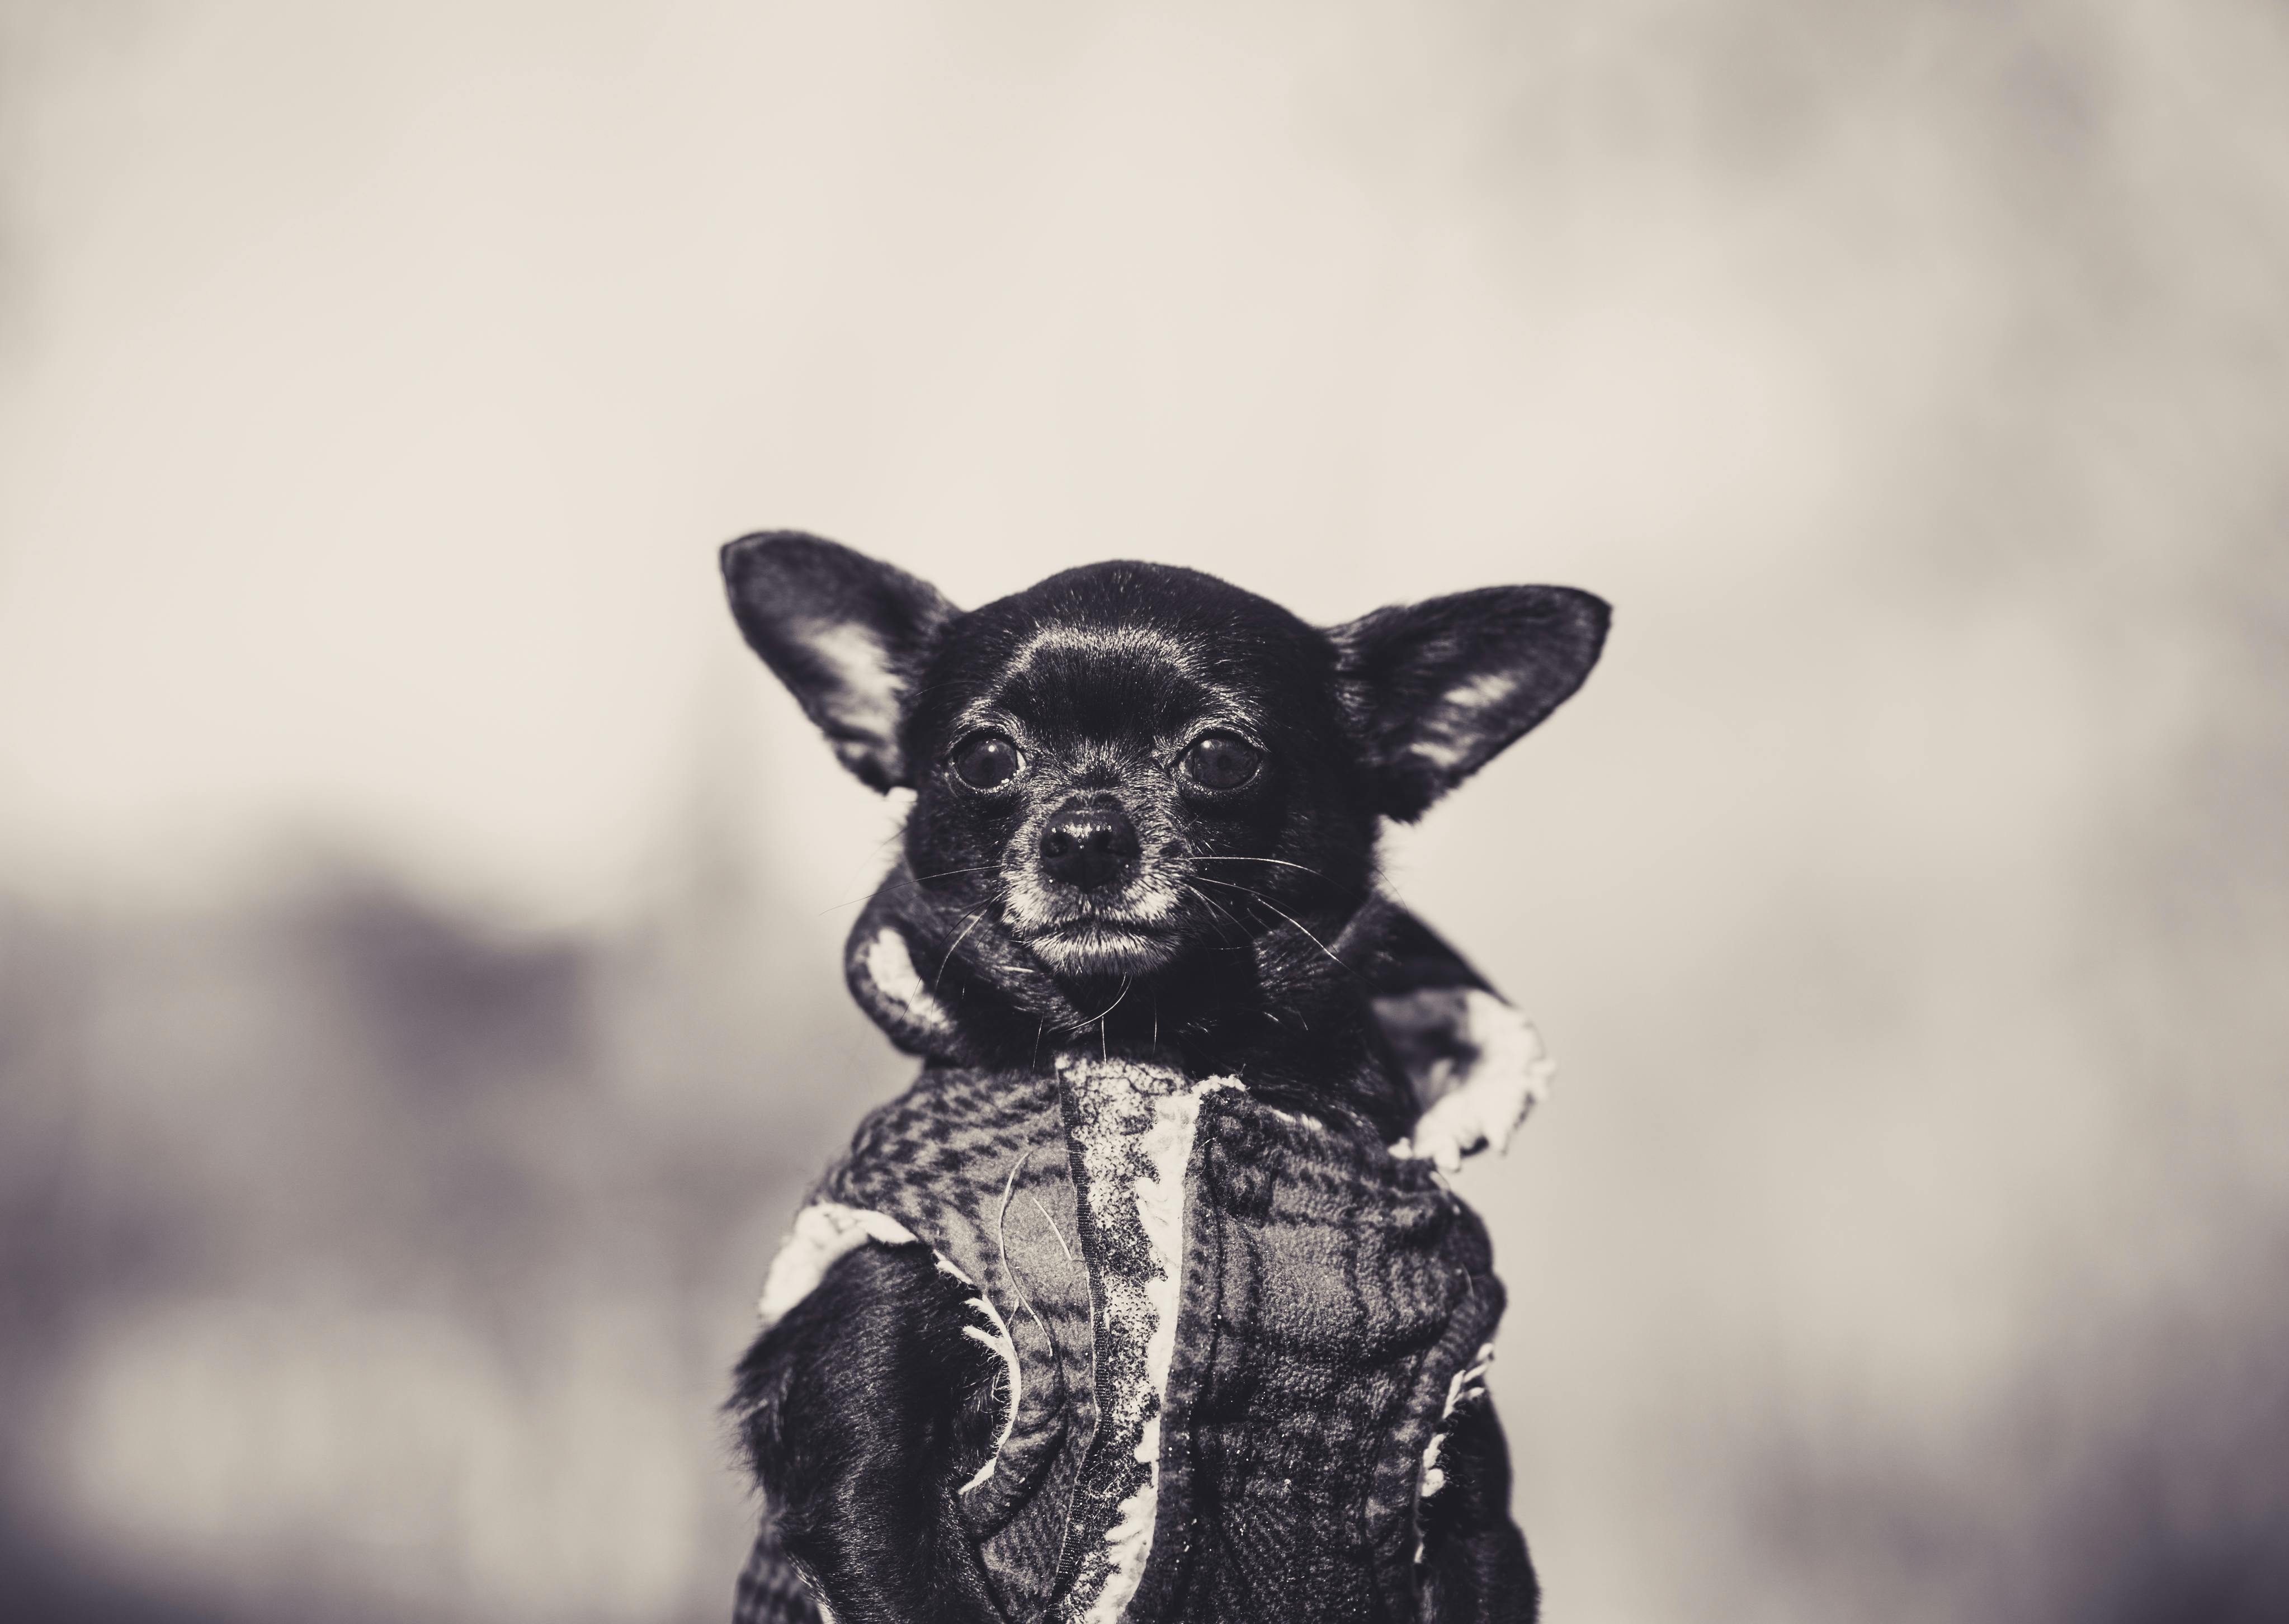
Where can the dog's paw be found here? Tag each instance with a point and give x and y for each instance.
(1490, 1088)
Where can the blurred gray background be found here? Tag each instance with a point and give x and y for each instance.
(419, 917)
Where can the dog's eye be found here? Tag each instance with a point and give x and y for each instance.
(1219, 762)
(987, 762)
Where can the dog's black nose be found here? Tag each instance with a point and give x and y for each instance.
(1088, 847)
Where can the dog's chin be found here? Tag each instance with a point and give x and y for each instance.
(1088, 948)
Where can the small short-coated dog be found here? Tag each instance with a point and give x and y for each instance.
(1148, 1301)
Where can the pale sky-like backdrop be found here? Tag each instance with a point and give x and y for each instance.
(1904, 898)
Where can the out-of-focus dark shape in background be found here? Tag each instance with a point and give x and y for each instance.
(418, 918)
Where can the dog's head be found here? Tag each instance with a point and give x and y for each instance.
(1130, 771)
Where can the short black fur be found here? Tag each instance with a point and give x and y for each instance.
(1118, 885)
(860, 1411)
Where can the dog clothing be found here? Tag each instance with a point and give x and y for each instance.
(1232, 1338)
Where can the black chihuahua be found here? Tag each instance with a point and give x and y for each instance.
(1146, 1301)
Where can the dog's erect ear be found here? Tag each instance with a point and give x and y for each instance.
(1436, 690)
(846, 633)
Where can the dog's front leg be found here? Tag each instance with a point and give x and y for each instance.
(858, 1410)
(1475, 1569)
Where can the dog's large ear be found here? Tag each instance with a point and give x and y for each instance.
(845, 634)
(1436, 690)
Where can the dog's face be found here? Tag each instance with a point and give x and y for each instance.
(1130, 768)
(1127, 754)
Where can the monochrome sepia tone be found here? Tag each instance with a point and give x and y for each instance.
(422, 1008)
(1170, 1007)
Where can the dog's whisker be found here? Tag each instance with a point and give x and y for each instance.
(1284, 914)
(906, 882)
(1103, 1041)
(1219, 906)
(1281, 861)
(1098, 1019)
(975, 920)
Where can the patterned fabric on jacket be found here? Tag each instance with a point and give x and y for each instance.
(1232, 1336)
